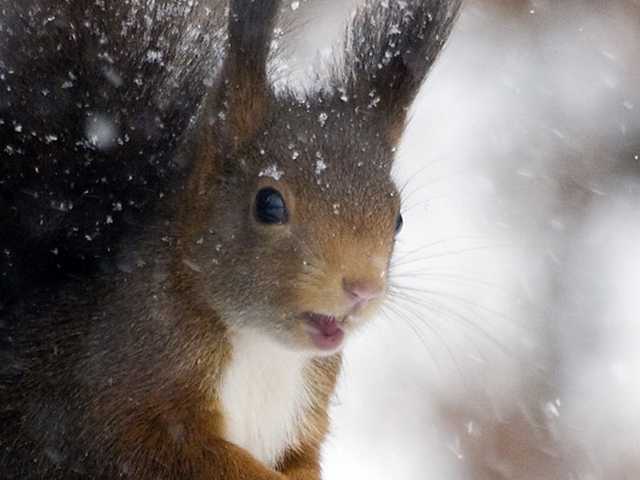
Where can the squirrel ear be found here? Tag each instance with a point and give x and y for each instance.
(391, 45)
(243, 96)
(237, 105)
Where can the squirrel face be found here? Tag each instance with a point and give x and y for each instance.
(303, 226)
(294, 210)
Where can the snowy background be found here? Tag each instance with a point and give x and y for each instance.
(510, 348)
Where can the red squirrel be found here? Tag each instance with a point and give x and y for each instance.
(213, 351)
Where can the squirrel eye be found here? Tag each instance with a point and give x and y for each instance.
(399, 223)
(270, 207)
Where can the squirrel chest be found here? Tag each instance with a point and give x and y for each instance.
(264, 397)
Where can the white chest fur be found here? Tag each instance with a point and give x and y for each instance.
(263, 397)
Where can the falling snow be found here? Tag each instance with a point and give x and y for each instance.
(320, 166)
(272, 172)
(101, 132)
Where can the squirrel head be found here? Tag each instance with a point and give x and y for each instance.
(291, 213)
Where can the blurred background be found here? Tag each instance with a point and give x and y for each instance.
(509, 348)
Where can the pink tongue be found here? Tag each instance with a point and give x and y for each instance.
(327, 325)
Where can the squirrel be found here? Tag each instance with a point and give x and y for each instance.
(212, 352)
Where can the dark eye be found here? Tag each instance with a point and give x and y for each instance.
(399, 223)
(270, 207)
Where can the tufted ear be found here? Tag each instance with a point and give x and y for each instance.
(243, 96)
(237, 105)
(391, 45)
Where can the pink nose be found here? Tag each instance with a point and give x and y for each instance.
(362, 291)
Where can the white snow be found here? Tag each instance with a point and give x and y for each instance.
(272, 172)
(101, 131)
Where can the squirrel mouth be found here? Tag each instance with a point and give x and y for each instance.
(325, 331)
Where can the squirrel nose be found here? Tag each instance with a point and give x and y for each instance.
(362, 291)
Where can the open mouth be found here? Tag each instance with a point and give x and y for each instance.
(326, 331)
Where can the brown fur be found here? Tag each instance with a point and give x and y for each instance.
(119, 375)
(191, 408)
